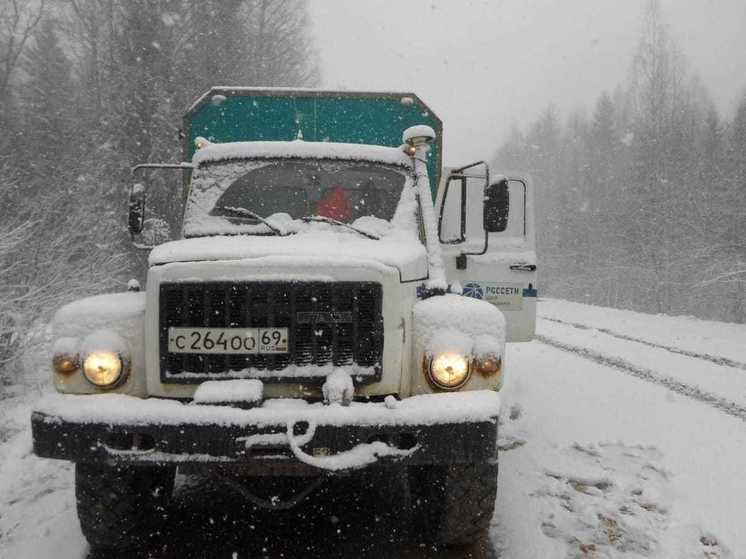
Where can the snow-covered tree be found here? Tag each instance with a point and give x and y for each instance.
(49, 103)
(95, 87)
(643, 207)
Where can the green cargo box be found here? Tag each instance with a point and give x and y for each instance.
(234, 114)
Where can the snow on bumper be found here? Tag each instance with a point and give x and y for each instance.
(428, 429)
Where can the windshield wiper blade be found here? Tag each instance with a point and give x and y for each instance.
(248, 213)
(332, 221)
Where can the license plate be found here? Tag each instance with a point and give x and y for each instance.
(228, 340)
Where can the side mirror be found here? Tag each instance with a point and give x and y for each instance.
(496, 206)
(137, 208)
(155, 231)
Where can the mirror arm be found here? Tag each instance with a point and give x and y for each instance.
(461, 170)
(461, 238)
(461, 260)
(140, 246)
(183, 165)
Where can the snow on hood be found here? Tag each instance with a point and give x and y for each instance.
(98, 311)
(302, 150)
(400, 251)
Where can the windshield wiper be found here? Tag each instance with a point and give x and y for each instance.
(248, 213)
(332, 221)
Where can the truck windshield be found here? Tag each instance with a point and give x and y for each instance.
(286, 190)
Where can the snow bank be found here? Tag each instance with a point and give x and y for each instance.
(299, 149)
(425, 409)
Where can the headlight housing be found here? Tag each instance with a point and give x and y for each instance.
(448, 371)
(65, 363)
(104, 369)
(488, 365)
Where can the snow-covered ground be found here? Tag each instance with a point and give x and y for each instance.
(617, 463)
(623, 435)
(724, 342)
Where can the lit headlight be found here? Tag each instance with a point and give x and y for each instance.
(103, 368)
(449, 370)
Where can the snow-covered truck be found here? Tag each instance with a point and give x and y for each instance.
(332, 304)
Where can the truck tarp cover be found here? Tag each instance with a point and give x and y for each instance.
(226, 114)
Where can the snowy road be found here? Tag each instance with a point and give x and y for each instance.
(616, 463)
(624, 436)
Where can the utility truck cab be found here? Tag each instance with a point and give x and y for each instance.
(318, 315)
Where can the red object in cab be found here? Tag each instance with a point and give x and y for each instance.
(335, 205)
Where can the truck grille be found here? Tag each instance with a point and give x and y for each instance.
(316, 342)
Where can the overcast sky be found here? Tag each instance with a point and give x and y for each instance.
(483, 65)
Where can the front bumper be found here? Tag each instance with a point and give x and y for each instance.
(448, 428)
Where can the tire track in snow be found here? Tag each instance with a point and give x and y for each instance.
(718, 360)
(694, 392)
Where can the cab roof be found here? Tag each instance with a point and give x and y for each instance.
(227, 114)
(214, 152)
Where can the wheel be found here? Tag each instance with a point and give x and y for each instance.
(120, 507)
(452, 505)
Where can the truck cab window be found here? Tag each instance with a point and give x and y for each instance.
(499, 208)
(276, 188)
(451, 226)
(338, 190)
(421, 234)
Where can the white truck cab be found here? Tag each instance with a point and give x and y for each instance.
(329, 307)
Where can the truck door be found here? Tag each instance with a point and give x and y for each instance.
(486, 230)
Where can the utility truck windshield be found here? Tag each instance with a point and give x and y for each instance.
(265, 197)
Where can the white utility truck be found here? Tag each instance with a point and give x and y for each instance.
(332, 305)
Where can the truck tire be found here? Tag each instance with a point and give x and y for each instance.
(452, 505)
(121, 507)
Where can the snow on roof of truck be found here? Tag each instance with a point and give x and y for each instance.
(213, 152)
(257, 114)
(404, 97)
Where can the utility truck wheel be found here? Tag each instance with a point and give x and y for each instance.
(120, 507)
(452, 505)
